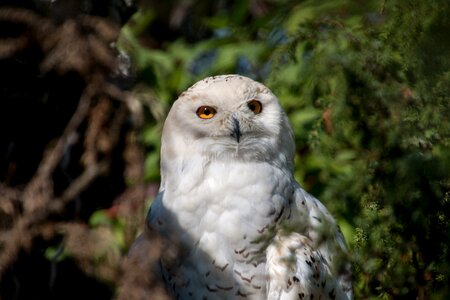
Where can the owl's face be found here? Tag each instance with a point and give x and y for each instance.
(230, 115)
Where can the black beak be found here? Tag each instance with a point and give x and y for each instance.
(236, 129)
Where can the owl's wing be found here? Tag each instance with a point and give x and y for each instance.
(310, 263)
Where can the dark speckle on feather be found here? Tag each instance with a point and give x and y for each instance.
(332, 294)
(318, 219)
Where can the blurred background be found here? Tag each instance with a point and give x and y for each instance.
(85, 87)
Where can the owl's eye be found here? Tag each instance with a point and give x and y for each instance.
(206, 112)
(255, 106)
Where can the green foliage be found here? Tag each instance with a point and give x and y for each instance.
(366, 87)
(116, 225)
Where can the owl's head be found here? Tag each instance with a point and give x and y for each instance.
(228, 116)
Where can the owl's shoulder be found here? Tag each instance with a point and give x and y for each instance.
(316, 251)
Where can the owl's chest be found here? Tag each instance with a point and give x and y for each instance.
(231, 200)
(221, 217)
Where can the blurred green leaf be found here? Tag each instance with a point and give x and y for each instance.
(99, 218)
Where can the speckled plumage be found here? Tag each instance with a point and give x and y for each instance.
(236, 224)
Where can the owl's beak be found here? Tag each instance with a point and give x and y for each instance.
(236, 133)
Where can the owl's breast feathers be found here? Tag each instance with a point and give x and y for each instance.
(225, 226)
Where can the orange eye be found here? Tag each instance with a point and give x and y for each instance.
(255, 106)
(206, 112)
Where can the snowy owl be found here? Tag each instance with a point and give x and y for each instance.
(235, 223)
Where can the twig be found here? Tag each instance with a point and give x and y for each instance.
(51, 160)
(37, 197)
(78, 185)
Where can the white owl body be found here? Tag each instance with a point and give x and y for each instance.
(235, 210)
(228, 202)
